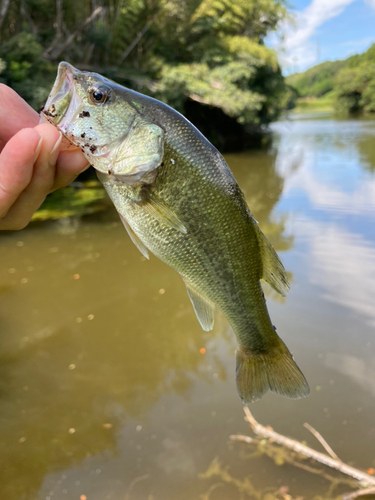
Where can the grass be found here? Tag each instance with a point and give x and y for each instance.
(315, 104)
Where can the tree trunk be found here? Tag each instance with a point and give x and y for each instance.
(3, 11)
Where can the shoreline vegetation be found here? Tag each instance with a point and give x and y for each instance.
(344, 86)
(314, 104)
(205, 58)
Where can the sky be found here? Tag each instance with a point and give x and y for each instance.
(324, 30)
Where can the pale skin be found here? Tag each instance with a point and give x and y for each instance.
(34, 161)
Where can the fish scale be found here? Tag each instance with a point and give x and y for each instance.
(179, 200)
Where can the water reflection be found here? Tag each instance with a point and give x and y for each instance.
(343, 266)
(109, 387)
(357, 369)
(366, 149)
(86, 349)
(263, 186)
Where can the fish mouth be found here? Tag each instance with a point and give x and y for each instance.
(63, 101)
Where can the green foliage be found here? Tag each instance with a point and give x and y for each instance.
(352, 81)
(70, 202)
(289, 98)
(317, 80)
(224, 87)
(26, 70)
(207, 51)
(355, 88)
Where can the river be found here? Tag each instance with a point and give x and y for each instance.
(110, 390)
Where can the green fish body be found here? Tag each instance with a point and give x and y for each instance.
(178, 199)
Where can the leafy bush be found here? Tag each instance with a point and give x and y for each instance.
(208, 51)
(26, 70)
(355, 88)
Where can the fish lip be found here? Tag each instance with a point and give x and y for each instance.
(66, 73)
(58, 101)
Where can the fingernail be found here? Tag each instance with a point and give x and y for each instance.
(52, 157)
(37, 151)
(86, 167)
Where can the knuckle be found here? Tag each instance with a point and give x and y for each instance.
(21, 225)
(13, 224)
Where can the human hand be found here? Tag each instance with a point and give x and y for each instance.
(34, 161)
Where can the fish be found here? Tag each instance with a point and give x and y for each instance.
(178, 199)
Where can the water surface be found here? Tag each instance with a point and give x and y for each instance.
(110, 389)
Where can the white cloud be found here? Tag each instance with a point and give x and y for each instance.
(297, 164)
(357, 369)
(298, 50)
(342, 264)
(360, 201)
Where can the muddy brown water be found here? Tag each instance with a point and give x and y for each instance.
(109, 389)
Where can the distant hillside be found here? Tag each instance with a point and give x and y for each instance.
(351, 82)
(317, 80)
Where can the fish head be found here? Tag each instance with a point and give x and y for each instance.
(99, 116)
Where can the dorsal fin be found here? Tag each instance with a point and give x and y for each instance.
(203, 308)
(137, 242)
(273, 270)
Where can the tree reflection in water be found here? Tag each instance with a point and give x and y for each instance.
(95, 335)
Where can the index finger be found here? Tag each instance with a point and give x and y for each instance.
(16, 166)
(15, 113)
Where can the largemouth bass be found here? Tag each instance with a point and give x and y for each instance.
(178, 199)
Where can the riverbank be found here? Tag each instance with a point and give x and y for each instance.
(315, 104)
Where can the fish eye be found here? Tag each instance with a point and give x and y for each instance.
(99, 95)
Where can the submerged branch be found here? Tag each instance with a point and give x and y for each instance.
(296, 446)
(359, 493)
(322, 441)
(273, 452)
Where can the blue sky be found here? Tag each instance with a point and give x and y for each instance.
(324, 30)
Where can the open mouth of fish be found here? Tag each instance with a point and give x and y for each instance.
(65, 105)
(63, 100)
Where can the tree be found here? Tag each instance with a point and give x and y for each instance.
(210, 52)
(355, 88)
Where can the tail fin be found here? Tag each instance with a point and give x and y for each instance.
(275, 371)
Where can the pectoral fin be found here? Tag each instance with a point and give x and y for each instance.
(273, 270)
(137, 242)
(204, 309)
(156, 208)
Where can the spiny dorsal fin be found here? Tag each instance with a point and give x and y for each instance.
(137, 242)
(163, 214)
(204, 309)
(273, 270)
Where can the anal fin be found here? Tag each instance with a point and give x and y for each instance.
(204, 309)
(137, 242)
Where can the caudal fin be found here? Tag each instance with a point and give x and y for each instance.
(275, 371)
